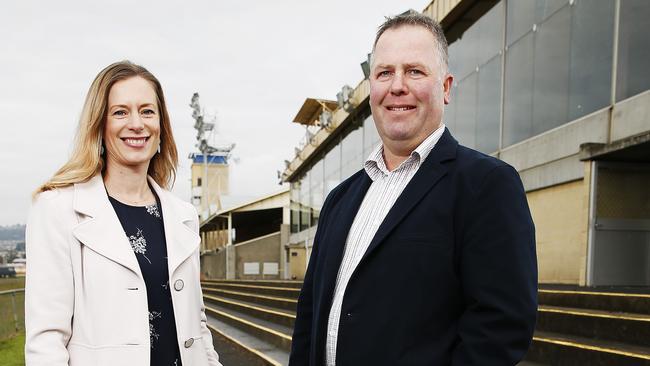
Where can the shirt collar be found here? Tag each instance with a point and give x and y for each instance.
(375, 165)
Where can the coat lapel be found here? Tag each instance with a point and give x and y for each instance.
(422, 182)
(100, 229)
(342, 217)
(182, 240)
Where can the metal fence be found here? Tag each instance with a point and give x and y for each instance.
(12, 312)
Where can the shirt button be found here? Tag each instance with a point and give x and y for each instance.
(189, 342)
(178, 285)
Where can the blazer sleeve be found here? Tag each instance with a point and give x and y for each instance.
(498, 269)
(302, 330)
(49, 285)
(206, 335)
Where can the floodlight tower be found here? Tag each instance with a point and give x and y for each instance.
(209, 155)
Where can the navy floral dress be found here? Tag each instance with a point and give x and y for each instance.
(143, 225)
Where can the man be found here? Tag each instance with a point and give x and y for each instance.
(427, 255)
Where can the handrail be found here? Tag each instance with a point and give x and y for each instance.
(6, 292)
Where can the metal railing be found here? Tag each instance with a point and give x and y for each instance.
(12, 312)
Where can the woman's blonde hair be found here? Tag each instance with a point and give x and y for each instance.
(86, 160)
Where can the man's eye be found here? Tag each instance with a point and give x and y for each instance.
(415, 72)
(383, 74)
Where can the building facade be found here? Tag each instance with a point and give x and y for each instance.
(556, 88)
(210, 181)
(247, 241)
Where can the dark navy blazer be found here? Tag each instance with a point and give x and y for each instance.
(450, 278)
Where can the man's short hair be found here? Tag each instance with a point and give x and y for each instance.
(413, 18)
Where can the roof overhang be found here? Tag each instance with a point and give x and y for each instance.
(311, 110)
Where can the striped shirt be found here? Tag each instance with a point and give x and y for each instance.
(386, 187)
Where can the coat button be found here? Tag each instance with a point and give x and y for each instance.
(189, 342)
(178, 285)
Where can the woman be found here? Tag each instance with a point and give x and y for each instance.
(113, 274)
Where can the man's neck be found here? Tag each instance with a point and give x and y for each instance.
(393, 159)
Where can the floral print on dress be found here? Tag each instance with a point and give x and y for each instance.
(153, 335)
(153, 210)
(139, 244)
(144, 229)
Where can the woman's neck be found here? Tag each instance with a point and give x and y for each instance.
(128, 186)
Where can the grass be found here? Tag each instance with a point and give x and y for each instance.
(12, 283)
(12, 350)
(12, 309)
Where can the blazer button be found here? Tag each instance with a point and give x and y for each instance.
(189, 342)
(178, 285)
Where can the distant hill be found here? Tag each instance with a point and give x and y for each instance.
(12, 232)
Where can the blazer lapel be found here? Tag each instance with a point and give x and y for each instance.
(342, 217)
(101, 230)
(182, 241)
(422, 182)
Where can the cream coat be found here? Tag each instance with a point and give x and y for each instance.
(85, 297)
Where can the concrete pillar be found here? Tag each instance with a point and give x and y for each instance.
(230, 252)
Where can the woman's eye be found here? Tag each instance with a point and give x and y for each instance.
(119, 113)
(148, 112)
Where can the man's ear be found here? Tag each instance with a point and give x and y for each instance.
(447, 82)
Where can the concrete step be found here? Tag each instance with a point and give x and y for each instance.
(277, 335)
(626, 328)
(277, 302)
(281, 317)
(270, 283)
(237, 347)
(626, 302)
(564, 350)
(288, 292)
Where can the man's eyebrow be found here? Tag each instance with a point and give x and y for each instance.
(384, 66)
(415, 64)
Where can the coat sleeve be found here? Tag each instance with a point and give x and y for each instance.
(206, 335)
(498, 269)
(302, 330)
(301, 339)
(49, 285)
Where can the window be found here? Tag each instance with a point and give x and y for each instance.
(633, 49)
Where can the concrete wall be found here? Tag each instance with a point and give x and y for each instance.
(561, 216)
(297, 263)
(213, 265)
(264, 249)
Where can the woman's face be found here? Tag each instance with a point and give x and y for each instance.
(132, 130)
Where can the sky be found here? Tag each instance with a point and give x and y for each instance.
(253, 64)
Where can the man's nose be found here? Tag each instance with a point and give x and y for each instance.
(398, 85)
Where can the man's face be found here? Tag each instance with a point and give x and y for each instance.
(408, 87)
